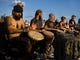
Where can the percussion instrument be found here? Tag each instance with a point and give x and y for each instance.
(35, 35)
(48, 34)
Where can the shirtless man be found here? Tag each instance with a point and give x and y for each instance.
(15, 26)
(15, 23)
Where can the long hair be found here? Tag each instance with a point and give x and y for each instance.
(37, 13)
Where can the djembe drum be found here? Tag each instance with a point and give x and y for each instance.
(35, 36)
(48, 35)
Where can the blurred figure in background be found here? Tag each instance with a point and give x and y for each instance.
(62, 25)
(78, 25)
(72, 22)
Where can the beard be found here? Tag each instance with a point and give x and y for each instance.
(17, 17)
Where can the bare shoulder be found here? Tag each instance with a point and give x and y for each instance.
(9, 18)
(22, 20)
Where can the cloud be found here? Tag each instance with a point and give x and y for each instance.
(18, 1)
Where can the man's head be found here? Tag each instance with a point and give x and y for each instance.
(51, 16)
(73, 17)
(63, 18)
(17, 12)
(39, 12)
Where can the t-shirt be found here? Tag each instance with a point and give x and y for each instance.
(37, 22)
(50, 24)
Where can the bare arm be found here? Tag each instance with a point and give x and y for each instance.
(47, 28)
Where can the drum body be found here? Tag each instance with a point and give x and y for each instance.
(48, 34)
(35, 35)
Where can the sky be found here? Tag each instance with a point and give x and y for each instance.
(57, 7)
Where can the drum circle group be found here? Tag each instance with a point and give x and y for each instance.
(72, 43)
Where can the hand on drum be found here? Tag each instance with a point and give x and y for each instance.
(59, 30)
(43, 30)
(34, 26)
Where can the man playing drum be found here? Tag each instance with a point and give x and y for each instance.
(36, 24)
(15, 26)
(50, 24)
(15, 23)
(58, 41)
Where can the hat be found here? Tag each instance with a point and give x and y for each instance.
(63, 17)
(73, 16)
(17, 9)
(51, 14)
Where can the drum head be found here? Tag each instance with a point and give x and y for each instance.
(48, 33)
(35, 35)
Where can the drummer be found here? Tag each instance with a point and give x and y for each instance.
(51, 23)
(36, 24)
(15, 26)
(14, 22)
(58, 41)
(62, 25)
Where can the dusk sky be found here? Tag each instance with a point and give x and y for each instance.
(58, 7)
